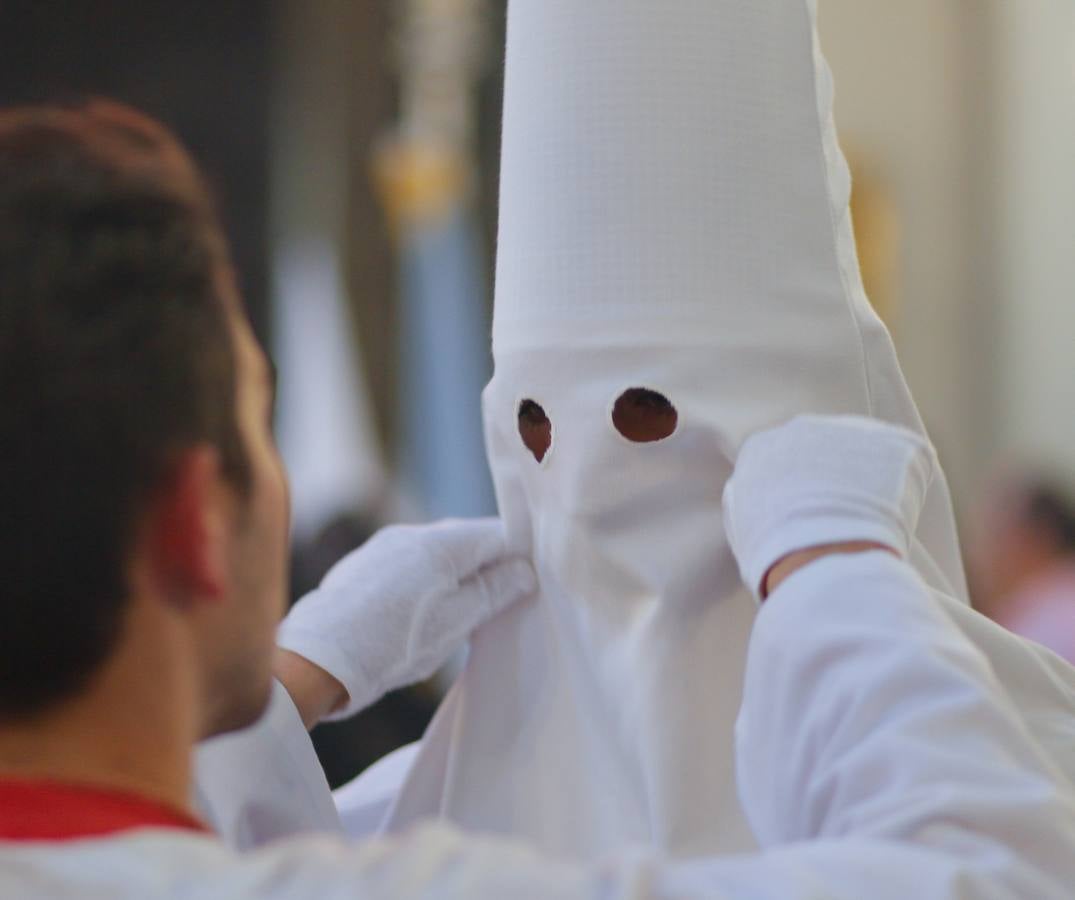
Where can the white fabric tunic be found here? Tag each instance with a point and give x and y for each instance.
(673, 217)
(881, 755)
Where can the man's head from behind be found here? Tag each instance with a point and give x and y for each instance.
(136, 463)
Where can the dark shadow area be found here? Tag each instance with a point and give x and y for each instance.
(200, 66)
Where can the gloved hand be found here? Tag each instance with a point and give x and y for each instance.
(393, 611)
(820, 480)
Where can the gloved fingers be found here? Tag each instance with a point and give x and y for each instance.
(498, 586)
(837, 449)
(824, 480)
(468, 544)
(884, 469)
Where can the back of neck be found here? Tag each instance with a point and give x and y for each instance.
(132, 729)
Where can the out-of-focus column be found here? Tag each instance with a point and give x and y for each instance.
(427, 172)
(1036, 355)
(324, 419)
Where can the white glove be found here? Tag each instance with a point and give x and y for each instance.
(393, 611)
(824, 480)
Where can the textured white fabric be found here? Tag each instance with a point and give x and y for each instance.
(264, 782)
(673, 216)
(822, 480)
(913, 752)
(881, 755)
(363, 803)
(393, 611)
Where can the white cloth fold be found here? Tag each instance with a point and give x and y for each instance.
(264, 782)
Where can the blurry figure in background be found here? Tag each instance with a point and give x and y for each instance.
(426, 173)
(1022, 562)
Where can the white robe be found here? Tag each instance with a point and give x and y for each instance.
(673, 217)
(881, 755)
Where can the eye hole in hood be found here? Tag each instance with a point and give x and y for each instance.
(644, 416)
(535, 428)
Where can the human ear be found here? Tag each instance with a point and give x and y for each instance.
(188, 528)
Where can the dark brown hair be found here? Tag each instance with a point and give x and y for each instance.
(115, 353)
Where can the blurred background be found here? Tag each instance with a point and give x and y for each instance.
(353, 147)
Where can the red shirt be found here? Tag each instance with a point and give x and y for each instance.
(54, 811)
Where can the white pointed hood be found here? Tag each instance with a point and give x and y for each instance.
(673, 217)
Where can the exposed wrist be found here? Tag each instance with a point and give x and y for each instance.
(314, 691)
(788, 565)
